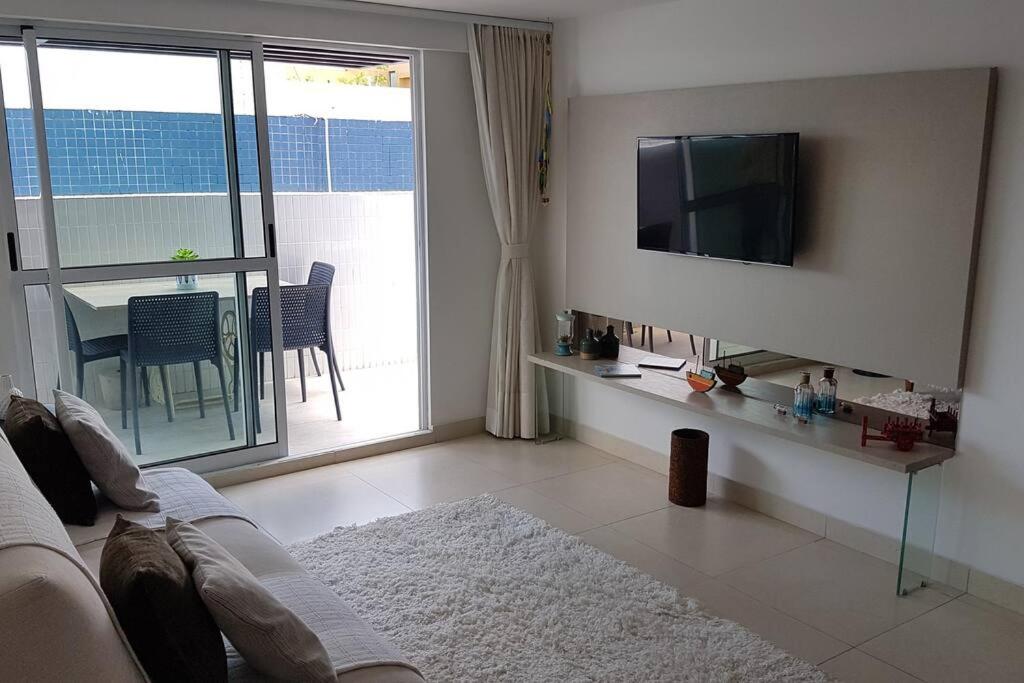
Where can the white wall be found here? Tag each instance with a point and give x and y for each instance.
(247, 18)
(691, 43)
(463, 246)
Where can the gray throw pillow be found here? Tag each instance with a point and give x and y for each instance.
(104, 456)
(267, 634)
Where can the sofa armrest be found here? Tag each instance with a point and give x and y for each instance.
(56, 625)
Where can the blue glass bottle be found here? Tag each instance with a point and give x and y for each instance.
(827, 387)
(803, 398)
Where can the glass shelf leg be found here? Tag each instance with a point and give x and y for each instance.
(550, 387)
(920, 518)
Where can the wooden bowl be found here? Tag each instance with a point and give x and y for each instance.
(699, 383)
(730, 377)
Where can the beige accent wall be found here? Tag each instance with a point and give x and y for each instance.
(889, 177)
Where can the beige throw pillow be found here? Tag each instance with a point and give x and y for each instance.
(267, 634)
(104, 456)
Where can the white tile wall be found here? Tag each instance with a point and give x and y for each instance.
(368, 236)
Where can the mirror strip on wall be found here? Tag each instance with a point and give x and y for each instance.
(772, 376)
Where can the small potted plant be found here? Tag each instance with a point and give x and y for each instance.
(186, 281)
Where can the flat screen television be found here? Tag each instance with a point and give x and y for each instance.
(718, 196)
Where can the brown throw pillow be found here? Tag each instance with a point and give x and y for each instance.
(49, 458)
(157, 605)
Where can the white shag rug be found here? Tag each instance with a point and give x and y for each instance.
(478, 590)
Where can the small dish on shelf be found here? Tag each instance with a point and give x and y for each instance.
(699, 382)
(732, 376)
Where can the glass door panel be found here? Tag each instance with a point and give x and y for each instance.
(42, 339)
(138, 162)
(247, 159)
(179, 341)
(343, 158)
(21, 153)
(155, 316)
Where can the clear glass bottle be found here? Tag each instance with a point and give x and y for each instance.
(827, 386)
(563, 342)
(803, 398)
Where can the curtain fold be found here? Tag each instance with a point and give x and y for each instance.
(511, 71)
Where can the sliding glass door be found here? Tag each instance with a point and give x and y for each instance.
(213, 239)
(343, 153)
(146, 269)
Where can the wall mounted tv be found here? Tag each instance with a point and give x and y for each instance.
(718, 196)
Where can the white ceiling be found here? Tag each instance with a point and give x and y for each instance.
(536, 10)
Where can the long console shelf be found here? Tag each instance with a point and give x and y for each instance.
(834, 436)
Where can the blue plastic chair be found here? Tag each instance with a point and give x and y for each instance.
(303, 326)
(90, 350)
(321, 273)
(171, 329)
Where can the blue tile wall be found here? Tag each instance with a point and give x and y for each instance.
(21, 141)
(116, 152)
(298, 153)
(370, 155)
(121, 152)
(248, 160)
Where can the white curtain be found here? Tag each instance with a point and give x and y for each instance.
(511, 70)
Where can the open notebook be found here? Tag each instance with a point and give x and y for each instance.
(662, 363)
(614, 370)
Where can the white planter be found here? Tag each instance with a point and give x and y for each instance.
(187, 281)
(110, 388)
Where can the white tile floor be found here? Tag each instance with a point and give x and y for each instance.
(819, 600)
(376, 403)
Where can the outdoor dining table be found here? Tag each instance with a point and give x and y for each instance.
(101, 308)
(105, 296)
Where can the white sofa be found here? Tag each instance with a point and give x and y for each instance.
(57, 625)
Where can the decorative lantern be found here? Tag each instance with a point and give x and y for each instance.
(563, 340)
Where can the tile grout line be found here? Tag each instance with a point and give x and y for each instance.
(382, 492)
(740, 590)
(904, 623)
(705, 577)
(766, 558)
(711, 576)
(852, 646)
(535, 481)
(835, 656)
(874, 657)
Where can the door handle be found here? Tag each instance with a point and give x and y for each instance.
(272, 238)
(12, 252)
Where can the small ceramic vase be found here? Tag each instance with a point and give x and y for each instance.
(590, 347)
(610, 343)
(188, 282)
